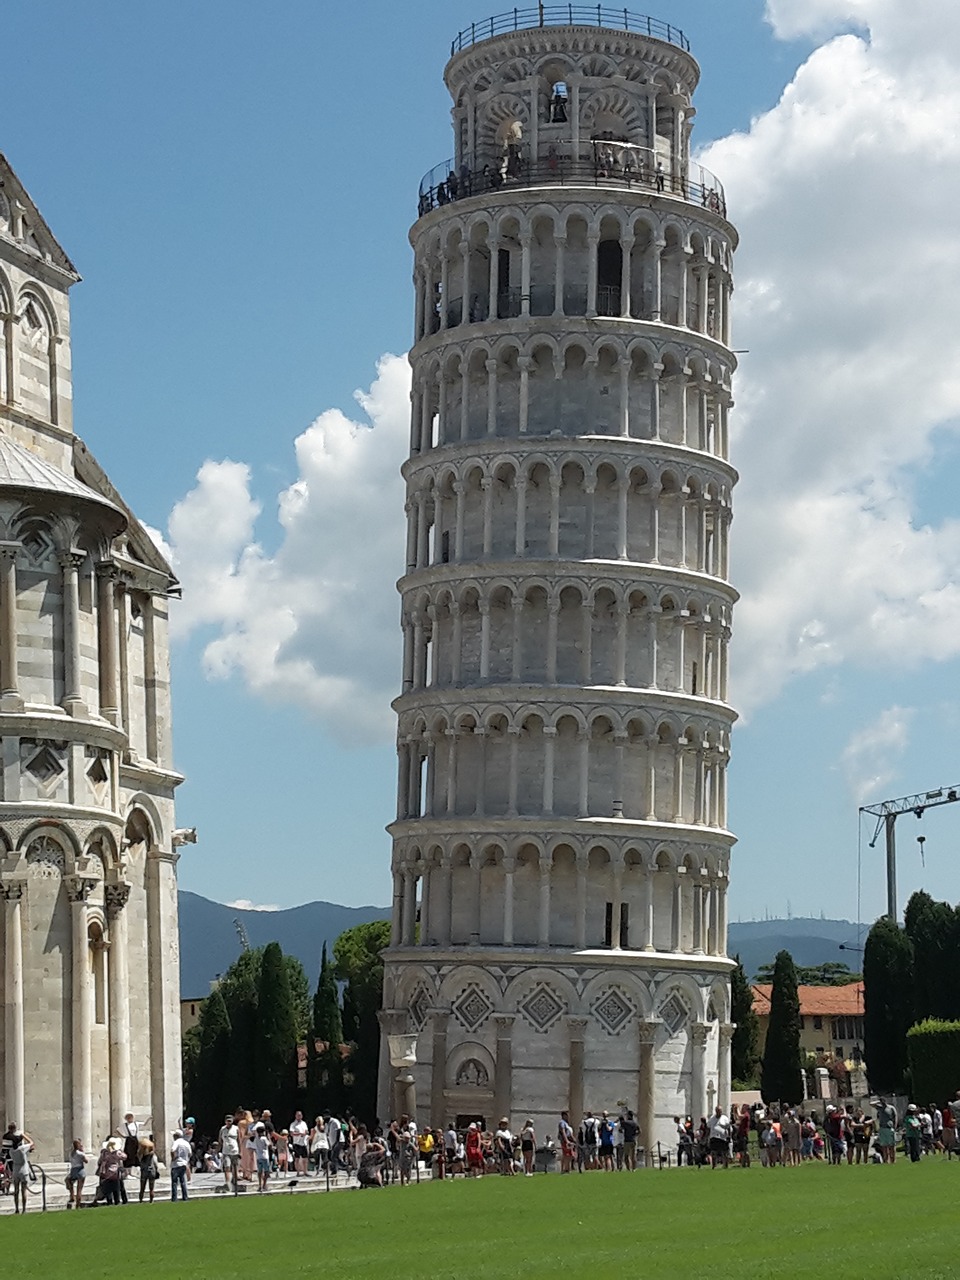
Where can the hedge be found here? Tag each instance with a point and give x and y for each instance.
(933, 1049)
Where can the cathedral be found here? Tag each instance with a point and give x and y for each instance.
(90, 951)
(560, 853)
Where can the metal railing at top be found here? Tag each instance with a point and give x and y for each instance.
(610, 165)
(568, 15)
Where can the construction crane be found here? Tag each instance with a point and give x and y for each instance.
(241, 934)
(887, 813)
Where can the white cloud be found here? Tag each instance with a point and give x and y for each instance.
(244, 904)
(316, 623)
(869, 760)
(845, 196)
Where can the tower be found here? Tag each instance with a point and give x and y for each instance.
(88, 917)
(560, 855)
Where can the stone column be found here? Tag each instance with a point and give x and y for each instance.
(520, 542)
(647, 1093)
(476, 866)
(677, 938)
(525, 275)
(577, 1028)
(525, 364)
(78, 890)
(617, 875)
(107, 641)
(593, 240)
(396, 916)
(445, 901)
(72, 699)
(409, 916)
(509, 868)
(116, 896)
(560, 243)
(491, 368)
(581, 922)
(723, 1064)
(626, 247)
(438, 1068)
(699, 1034)
(648, 908)
(123, 622)
(151, 676)
(549, 751)
(426, 906)
(14, 1075)
(163, 970)
(503, 1070)
(10, 699)
(543, 932)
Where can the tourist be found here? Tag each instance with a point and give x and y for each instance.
(912, 1133)
(188, 1127)
(425, 1148)
(474, 1151)
(111, 1168)
(76, 1174)
(129, 1133)
(370, 1172)
(835, 1132)
(450, 1147)
(719, 1138)
(179, 1159)
(19, 1166)
(212, 1160)
(862, 1128)
(319, 1147)
(283, 1151)
(407, 1152)
(245, 1122)
(887, 1131)
(684, 1141)
(936, 1120)
(528, 1147)
(298, 1138)
(358, 1145)
(590, 1140)
(792, 1138)
(631, 1131)
(261, 1152)
(147, 1159)
(335, 1142)
(229, 1151)
(741, 1136)
(926, 1130)
(567, 1140)
(606, 1135)
(503, 1147)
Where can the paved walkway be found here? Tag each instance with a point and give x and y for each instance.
(203, 1186)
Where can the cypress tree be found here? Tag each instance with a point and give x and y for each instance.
(358, 962)
(888, 1004)
(240, 990)
(208, 1094)
(325, 1040)
(276, 1041)
(933, 933)
(781, 1077)
(744, 1058)
(327, 1023)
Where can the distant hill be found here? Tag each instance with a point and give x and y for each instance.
(209, 943)
(810, 941)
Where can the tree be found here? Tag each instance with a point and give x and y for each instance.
(933, 930)
(209, 1065)
(325, 1039)
(239, 988)
(744, 1058)
(358, 962)
(782, 1073)
(276, 1039)
(888, 1004)
(300, 993)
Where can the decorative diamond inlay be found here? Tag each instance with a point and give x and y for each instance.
(418, 1009)
(45, 766)
(613, 1011)
(674, 1013)
(472, 1007)
(542, 1007)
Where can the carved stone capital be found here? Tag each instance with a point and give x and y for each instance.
(647, 1030)
(726, 1033)
(116, 897)
(78, 888)
(700, 1034)
(12, 890)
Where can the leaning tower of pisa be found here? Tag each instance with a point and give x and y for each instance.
(561, 857)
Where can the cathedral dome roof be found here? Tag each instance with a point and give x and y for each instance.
(21, 469)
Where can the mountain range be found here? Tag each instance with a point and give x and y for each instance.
(210, 938)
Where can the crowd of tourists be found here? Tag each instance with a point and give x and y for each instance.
(250, 1150)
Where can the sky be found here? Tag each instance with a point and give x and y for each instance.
(235, 183)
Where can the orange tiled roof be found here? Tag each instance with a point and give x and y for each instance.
(822, 1002)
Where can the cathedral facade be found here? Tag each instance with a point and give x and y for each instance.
(561, 854)
(88, 932)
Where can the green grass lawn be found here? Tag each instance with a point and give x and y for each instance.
(872, 1223)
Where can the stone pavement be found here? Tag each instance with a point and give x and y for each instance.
(204, 1186)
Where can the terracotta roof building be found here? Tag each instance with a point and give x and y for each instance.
(831, 1018)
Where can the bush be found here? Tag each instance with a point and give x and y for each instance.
(933, 1049)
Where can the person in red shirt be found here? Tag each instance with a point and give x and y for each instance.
(474, 1152)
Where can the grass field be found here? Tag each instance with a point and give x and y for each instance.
(856, 1223)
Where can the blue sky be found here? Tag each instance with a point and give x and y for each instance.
(236, 182)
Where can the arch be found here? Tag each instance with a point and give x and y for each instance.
(468, 1051)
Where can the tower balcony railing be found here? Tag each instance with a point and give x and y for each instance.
(568, 15)
(608, 164)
